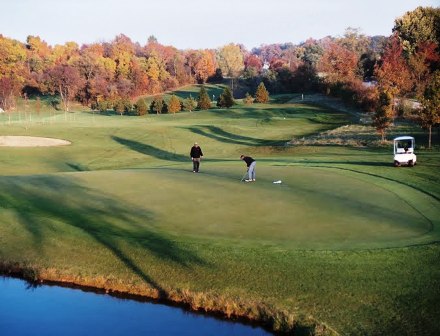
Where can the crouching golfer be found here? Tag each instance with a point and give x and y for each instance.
(196, 155)
(250, 163)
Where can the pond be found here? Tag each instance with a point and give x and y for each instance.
(53, 310)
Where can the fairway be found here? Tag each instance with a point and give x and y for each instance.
(119, 208)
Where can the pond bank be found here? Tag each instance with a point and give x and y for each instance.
(251, 313)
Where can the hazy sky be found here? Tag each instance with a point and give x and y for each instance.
(198, 23)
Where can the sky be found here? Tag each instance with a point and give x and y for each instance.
(199, 24)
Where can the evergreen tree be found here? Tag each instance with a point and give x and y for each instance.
(248, 100)
(203, 102)
(190, 104)
(158, 105)
(262, 95)
(226, 99)
(141, 107)
(174, 105)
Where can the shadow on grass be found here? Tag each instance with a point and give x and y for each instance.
(221, 135)
(106, 220)
(151, 150)
(157, 152)
(354, 163)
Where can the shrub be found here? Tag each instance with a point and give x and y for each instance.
(122, 105)
(141, 107)
(248, 100)
(189, 104)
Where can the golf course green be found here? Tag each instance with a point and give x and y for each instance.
(345, 244)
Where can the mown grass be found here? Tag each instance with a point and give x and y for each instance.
(345, 244)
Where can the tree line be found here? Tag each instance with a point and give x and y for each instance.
(404, 64)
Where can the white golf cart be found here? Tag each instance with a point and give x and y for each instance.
(404, 151)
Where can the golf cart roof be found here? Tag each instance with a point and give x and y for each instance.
(403, 138)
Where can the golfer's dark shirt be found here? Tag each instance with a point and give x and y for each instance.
(248, 160)
(196, 152)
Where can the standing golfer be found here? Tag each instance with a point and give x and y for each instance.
(250, 163)
(196, 155)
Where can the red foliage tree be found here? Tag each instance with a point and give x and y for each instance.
(338, 64)
(66, 81)
(392, 73)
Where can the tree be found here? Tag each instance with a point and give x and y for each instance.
(205, 66)
(338, 64)
(230, 60)
(383, 116)
(203, 102)
(418, 26)
(122, 105)
(189, 104)
(429, 115)
(66, 81)
(392, 72)
(248, 99)
(174, 105)
(261, 95)
(354, 41)
(141, 107)
(158, 105)
(226, 99)
(421, 63)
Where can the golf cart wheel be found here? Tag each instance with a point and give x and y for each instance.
(411, 163)
(396, 164)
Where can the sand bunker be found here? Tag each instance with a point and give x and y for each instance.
(28, 141)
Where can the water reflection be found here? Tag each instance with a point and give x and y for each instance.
(52, 310)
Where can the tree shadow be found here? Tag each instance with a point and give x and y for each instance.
(157, 152)
(151, 150)
(36, 202)
(221, 135)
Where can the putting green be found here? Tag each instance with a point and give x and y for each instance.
(313, 208)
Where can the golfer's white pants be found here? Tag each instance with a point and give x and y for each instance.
(251, 171)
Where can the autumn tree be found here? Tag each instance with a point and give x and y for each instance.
(230, 60)
(189, 104)
(8, 90)
(421, 64)
(12, 71)
(429, 115)
(158, 105)
(261, 95)
(354, 41)
(383, 116)
(392, 73)
(338, 64)
(203, 101)
(66, 81)
(141, 107)
(122, 105)
(418, 26)
(226, 99)
(174, 105)
(248, 99)
(205, 66)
